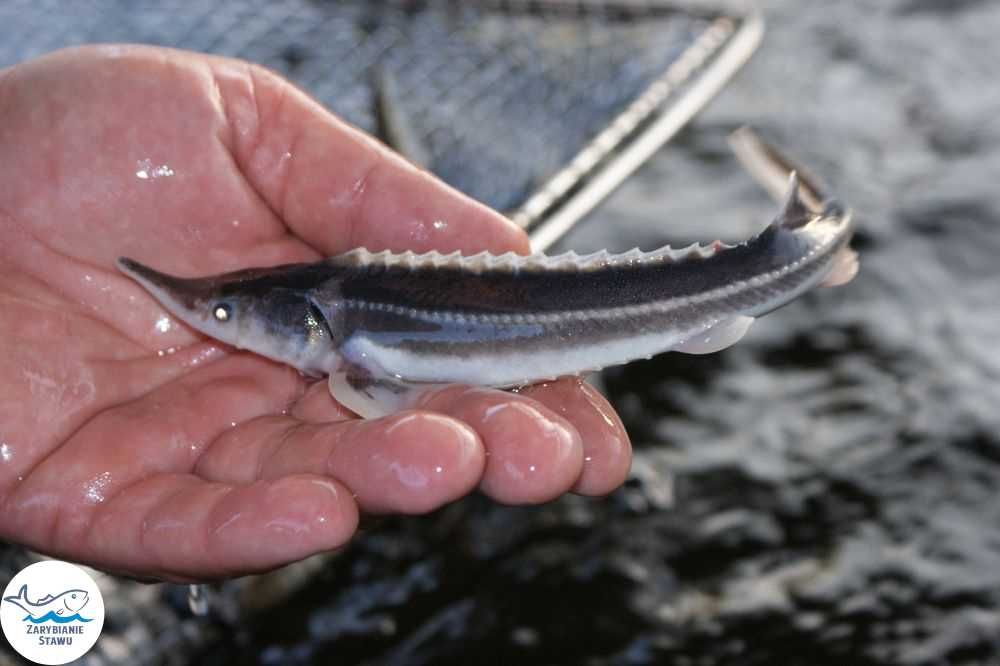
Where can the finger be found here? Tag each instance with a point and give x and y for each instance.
(410, 462)
(338, 188)
(163, 431)
(607, 452)
(318, 406)
(184, 528)
(533, 454)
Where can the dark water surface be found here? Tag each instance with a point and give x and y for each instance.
(823, 493)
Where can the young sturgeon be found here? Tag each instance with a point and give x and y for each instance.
(384, 326)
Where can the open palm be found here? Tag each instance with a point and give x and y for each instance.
(129, 441)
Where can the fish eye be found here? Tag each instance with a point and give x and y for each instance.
(222, 312)
(74, 596)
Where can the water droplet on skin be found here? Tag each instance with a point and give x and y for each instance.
(205, 355)
(513, 471)
(163, 324)
(409, 476)
(232, 424)
(439, 469)
(144, 170)
(401, 423)
(6, 453)
(94, 489)
(236, 223)
(440, 224)
(491, 411)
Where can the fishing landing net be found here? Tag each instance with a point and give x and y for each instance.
(538, 109)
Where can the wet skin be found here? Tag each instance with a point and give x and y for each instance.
(132, 443)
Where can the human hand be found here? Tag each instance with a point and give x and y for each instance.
(132, 443)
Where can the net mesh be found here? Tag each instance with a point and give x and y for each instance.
(493, 97)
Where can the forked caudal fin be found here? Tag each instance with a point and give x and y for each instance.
(804, 201)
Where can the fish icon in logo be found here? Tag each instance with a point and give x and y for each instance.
(62, 608)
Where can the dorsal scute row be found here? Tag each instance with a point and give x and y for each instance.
(511, 262)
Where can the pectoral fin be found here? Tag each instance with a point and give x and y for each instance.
(371, 397)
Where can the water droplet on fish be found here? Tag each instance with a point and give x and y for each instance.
(440, 224)
(6, 453)
(144, 170)
(163, 324)
(236, 223)
(94, 490)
